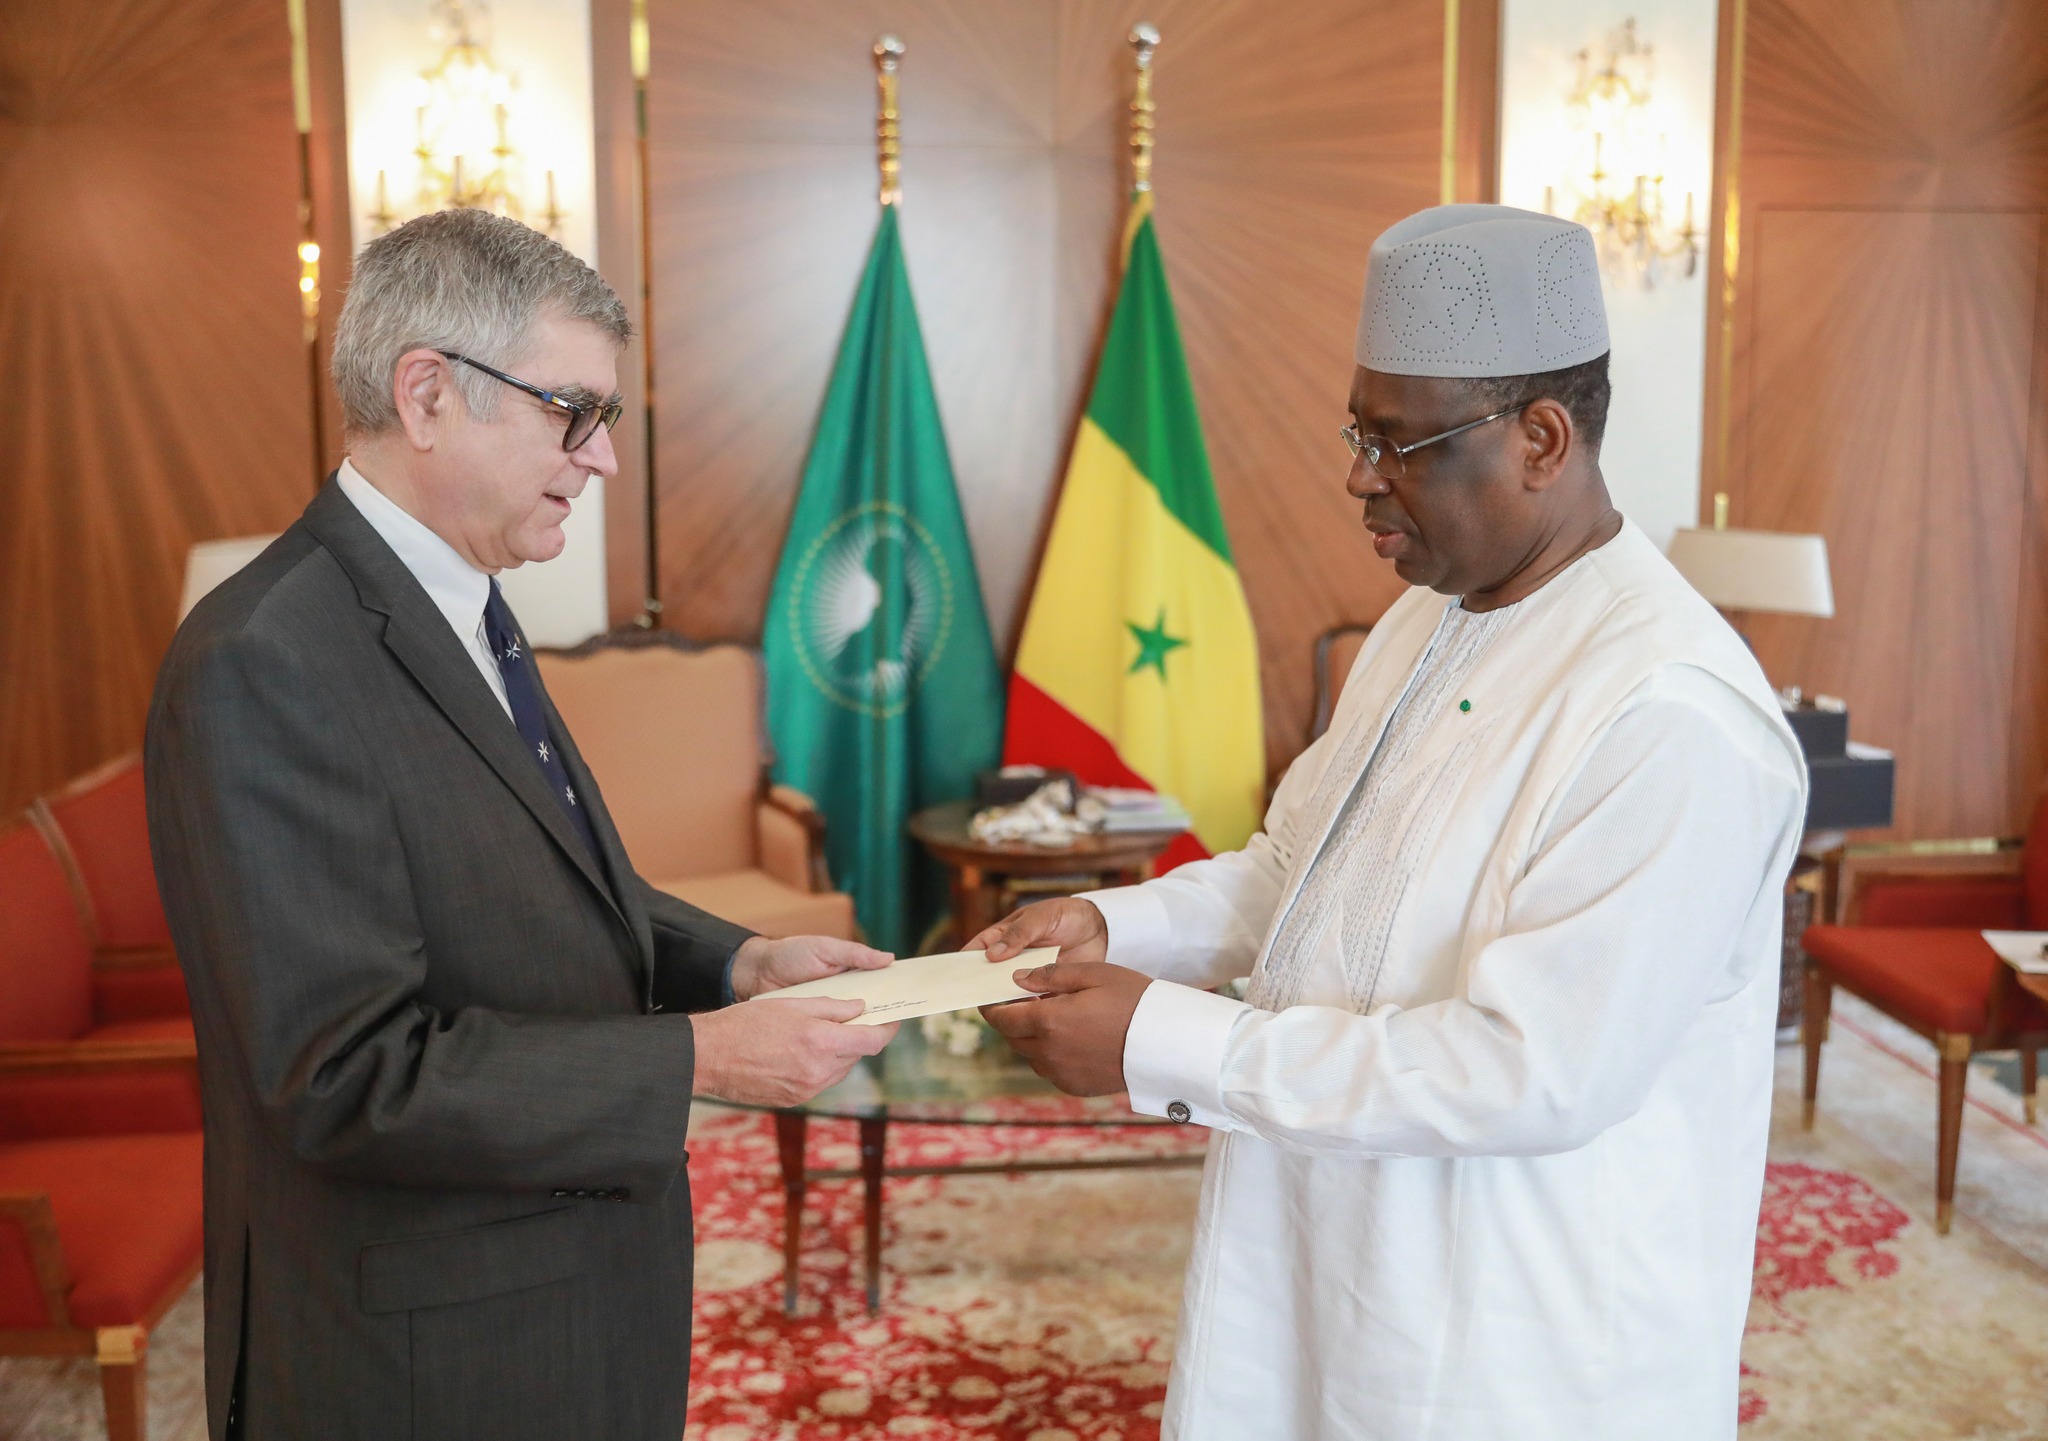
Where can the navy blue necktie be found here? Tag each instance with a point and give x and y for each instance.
(522, 692)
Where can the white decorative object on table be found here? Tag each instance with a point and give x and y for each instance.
(1051, 817)
(2024, 951)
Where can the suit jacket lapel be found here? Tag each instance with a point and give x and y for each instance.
(418, 635)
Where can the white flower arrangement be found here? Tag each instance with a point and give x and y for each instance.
(957, 1033)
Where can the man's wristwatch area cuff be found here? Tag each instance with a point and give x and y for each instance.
(1174, 1050)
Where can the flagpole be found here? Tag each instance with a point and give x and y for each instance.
(1144, 39)
(888, 134)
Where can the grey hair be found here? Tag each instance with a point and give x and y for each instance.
(461, 280)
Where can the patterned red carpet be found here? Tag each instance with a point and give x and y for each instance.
(1028, 1307)
(1041, 1307)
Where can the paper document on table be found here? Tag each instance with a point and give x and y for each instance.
(2022, 950)
(925, 985)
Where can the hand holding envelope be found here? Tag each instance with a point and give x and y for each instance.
(1074, 1034)
(923, 985)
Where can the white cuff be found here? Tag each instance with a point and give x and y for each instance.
(1173, 1053)
(1139, 932)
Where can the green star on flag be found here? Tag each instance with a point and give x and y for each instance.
(1154, 644)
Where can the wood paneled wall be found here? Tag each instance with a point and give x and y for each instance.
(1877, 370)
(1288, 137)
(158, 382)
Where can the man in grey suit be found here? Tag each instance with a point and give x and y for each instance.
(447, 1036)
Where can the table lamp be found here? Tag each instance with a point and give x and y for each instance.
(1757, 570)
(210, 562)
(1850, 786)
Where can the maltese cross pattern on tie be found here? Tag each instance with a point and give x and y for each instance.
(522, 691)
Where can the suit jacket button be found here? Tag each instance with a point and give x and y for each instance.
(583, 1195)
(559, 1194)
(1178, 1112)
(622, 1194)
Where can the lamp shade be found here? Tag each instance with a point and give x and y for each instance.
(1757, 570)
(210, 562)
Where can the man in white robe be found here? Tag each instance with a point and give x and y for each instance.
(1489, 1127)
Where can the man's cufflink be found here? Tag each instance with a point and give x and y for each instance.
(1178, 1113)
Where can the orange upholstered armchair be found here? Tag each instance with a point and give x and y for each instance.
(99, 1235)
(99, 827)
(1910, 944)
(673, 732)
(64, 1069)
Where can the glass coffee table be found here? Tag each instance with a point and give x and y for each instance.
(918, 1080)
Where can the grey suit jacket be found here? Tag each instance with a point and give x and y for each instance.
(444, 1057)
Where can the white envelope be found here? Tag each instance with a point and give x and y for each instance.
(2022, 950)
(924, 985)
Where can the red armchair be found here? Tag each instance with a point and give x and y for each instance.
(1910, 945)
(99, 827)
(63, 1070)
(99, 1236)
(100, 1188)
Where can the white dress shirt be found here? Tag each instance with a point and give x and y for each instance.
(458, 589)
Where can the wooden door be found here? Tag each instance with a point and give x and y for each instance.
(1879, 375)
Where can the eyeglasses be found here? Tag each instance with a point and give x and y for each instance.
(1387, 458)
(584, 415)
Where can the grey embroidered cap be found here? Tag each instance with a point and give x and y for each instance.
(1481, 290)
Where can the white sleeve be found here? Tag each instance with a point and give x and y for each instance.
(1624, 926)
(1201, 924)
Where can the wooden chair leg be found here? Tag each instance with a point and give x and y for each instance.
(1813, 1031)
(1955, 1067)
(874, 1132)
(2030, 1082)
(124, 1374)
(791, 1130)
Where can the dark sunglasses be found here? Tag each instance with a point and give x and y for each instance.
(584, 416)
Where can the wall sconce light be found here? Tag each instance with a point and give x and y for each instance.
(1620, 198)
(309, 288)
(462, 115)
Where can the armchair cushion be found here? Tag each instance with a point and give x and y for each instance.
(105, 823)
(674, 739)
(45, 956)
(1935, 978)
(785, 847)
(1963, 901)
(758, 901)
(139, 993)
(128, 1217)
(106, 1099)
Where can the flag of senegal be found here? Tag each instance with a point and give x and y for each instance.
(1138, 666)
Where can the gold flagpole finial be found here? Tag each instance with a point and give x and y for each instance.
(888, 133)
(1144, 40)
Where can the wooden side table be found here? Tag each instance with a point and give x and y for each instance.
(982, 873)
(912, 1081)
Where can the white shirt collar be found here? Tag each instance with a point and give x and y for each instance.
(458, 589)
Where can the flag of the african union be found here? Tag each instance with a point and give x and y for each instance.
(883, 690)
(1138, 666)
